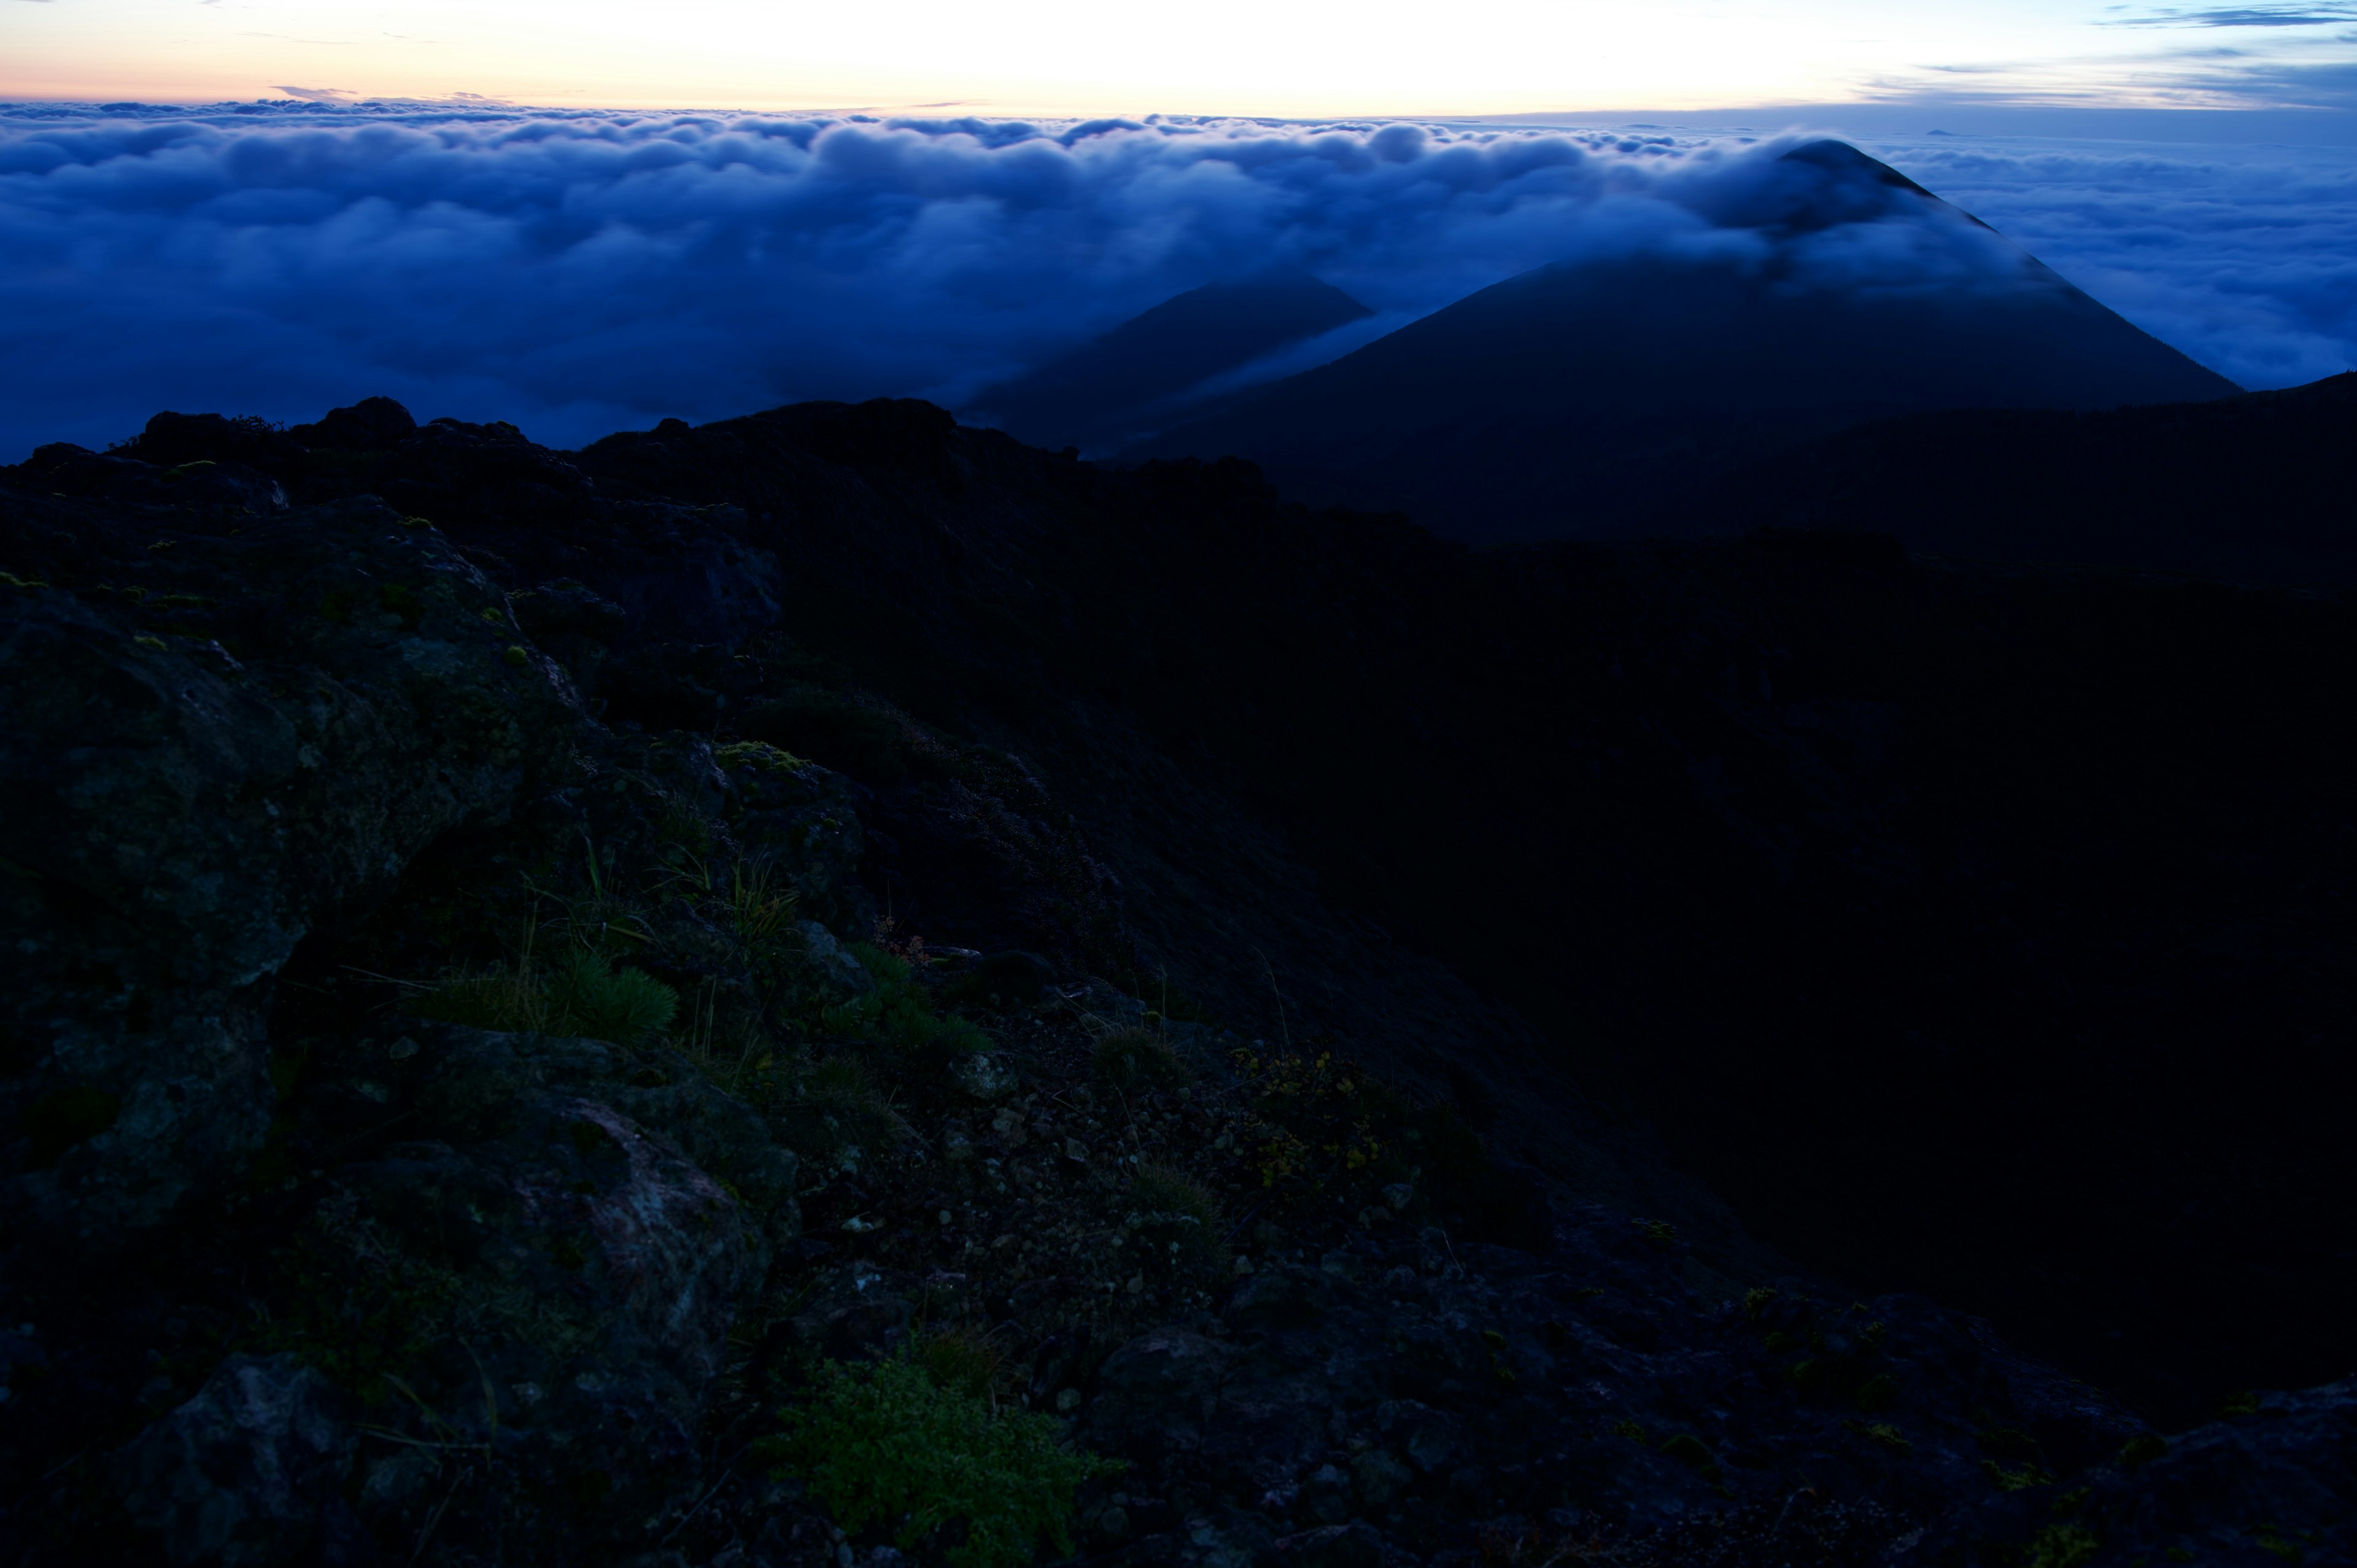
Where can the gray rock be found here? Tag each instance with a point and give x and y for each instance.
(805, 819)
(984, 1079)
(831, 963)
(1379, 1476)
(246, 1472)
(1353, 1546)
(720, 1132)
(856, 1315)
(1327, 1495)
(1156, 1393)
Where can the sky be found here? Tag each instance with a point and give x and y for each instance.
(1211, 57)
(590, 217)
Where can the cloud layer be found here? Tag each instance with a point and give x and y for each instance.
(2243, 257)
(581, 272)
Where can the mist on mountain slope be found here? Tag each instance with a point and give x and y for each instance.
(1113, 387)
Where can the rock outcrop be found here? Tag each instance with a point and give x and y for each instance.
(228, 729)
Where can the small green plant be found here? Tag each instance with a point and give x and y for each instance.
(760, 756)
(2020, 1480)
(506, 999)
(1689, 1450)
(758, 903)
(585, 995)
(885, 1441)
(1882, 1434)
(960, 1361)
(762, 907)
(1314, 1121)
(589, 997)
(2267, 1538)
(899, 1014)
(1135, 1059)
(2061, 1546)
(1177, 1214)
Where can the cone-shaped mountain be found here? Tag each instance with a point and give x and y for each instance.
(1558, 402)
(1111, 387)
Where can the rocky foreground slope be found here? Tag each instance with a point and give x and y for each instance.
(497, 1021)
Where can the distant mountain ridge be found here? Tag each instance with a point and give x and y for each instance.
(2243, 488)
(1112, 387)
(1568, 401)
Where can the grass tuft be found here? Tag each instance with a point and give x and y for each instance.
(885, 1443)
(1178, 1215)
(1135, 1058)
(585, 995)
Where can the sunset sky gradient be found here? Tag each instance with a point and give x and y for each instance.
(1068, 57)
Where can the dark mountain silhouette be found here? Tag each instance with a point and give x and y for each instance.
(1563, 403)
(1103, 390)
(2252, 487)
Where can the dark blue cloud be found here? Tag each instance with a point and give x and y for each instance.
(578, 272)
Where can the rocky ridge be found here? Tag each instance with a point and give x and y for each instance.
(365, 1208)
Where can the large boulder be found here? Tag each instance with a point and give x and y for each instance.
(221, 730)
(536, 1244)
(250, 1471)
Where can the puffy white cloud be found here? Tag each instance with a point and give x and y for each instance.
(578, 272)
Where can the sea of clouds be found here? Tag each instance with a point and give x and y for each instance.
(580, 271)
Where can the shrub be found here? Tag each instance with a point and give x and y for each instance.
(1314, 1122)
(897, 1014)
(884, 1442)
(1130, 1059)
